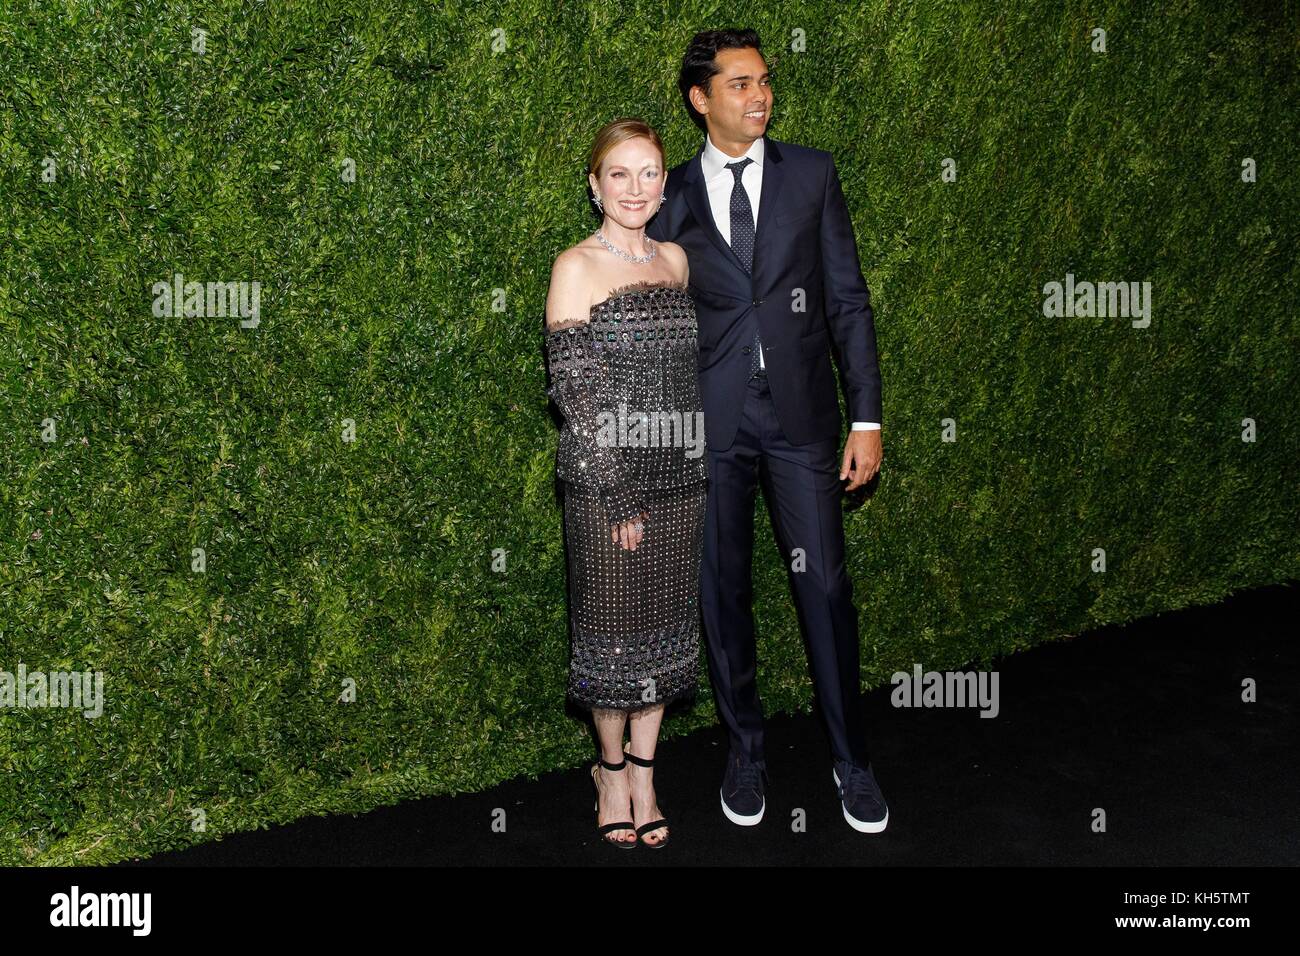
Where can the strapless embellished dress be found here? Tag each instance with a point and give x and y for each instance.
(626, 380)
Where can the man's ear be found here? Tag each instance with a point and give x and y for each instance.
(698, 99)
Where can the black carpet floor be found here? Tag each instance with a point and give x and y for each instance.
(1143, 722)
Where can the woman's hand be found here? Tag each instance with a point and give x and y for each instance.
(629, 534)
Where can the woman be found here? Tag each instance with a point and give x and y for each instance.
(621, 343)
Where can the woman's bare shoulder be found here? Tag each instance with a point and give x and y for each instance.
(677, 256)
(570, 295)
(573, 258)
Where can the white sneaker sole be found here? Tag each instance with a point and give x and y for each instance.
(739, 819)
(853, 821)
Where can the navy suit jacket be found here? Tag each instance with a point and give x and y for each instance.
(806, 293)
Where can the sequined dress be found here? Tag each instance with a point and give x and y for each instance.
(625, 379)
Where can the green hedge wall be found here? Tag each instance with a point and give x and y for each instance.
(350, 464)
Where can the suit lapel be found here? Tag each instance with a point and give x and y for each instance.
(773, 178)
(697, 199)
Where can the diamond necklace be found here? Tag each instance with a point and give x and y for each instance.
(600, 234)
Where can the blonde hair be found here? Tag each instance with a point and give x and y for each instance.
(620, 131)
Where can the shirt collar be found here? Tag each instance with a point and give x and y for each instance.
(714, 161)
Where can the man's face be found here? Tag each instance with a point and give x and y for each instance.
(739, 103)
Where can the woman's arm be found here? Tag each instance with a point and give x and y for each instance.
(578, 380)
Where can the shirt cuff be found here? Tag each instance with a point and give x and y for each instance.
(866, 426)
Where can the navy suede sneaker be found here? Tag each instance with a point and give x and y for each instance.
(742, 791)
(864, 806)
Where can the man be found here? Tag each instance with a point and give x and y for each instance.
(775, 276)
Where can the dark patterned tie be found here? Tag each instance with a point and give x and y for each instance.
(742, 240)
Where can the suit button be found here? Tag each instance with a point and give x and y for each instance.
(745, 350)
(757, 303)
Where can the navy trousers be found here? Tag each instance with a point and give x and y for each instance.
(802, 487)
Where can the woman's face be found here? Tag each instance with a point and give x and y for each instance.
(631, 182)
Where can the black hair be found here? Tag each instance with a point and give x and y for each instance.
(698, 67)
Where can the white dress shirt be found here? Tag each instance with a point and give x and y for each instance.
(719, 181)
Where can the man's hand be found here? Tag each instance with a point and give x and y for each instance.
(862, 453)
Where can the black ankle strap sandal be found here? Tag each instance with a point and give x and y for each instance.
(642, 830)
(610, 827)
